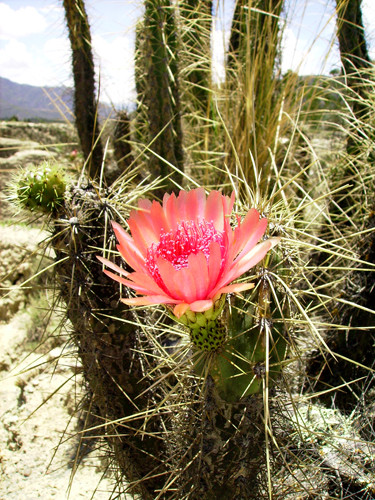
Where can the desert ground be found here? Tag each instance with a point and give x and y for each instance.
(40, 388)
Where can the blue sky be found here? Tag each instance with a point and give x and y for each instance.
(34, 48)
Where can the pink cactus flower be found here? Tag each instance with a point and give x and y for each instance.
(185, 253)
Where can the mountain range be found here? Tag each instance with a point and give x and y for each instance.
(28, 102)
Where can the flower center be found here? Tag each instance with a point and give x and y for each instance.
(175, 246)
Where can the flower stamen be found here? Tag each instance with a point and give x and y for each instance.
(175, 246)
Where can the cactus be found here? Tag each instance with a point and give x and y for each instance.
(183, 390)
(85, 102)
(160, 80)
(106, 341)
(121, 136)
(195, 24)
(354, 54)
(40, 188)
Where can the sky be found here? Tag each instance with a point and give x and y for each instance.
(34, 46)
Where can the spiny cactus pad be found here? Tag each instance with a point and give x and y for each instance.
(41, 187)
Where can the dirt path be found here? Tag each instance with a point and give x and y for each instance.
(33, 424)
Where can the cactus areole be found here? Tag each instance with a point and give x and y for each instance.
(186, 255)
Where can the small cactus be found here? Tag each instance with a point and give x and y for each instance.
(41, 188)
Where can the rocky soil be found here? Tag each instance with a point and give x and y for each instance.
(40, 387)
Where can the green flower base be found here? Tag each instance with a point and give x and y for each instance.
(207, 332)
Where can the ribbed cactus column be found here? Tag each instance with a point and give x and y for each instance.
(224, 432)
(243, 351)
(195, 21)
(85, 102)
(219, 447)
(158, 54)
(195, 18)
(185, 253)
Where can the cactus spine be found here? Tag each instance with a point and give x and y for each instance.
(107, 341)
(184, 415)
(195, 19)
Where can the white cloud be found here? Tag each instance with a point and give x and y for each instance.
(46, 67)
(292, 52)
(44, 58)
(57, 56)
(308, 44)
(29, 50)
(19, 23)
(115, 62)
(368, 13)
(35, 49)
(57, 50)
(14, 54)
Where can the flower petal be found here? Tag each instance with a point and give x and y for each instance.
(146, 282)
(228, 204)
(249, 233)
(144, 205)
(182, 206)
(128, 249)
(235, 288)
(146, 224)
(201, 305)
(196, 203)
(247, 262)
(139, 282)
(187, 284)
(198, 269)
(214, 211)
(148, 300)
(170, 210)
(142, 229)
(168, 275)
(180, 309)
(214, 265)
(252, 258)
(112, 265)
(158, 219)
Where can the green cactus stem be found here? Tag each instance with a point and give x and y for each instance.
(251, 352)
(254, 353)
(196, 25)
(159, 59)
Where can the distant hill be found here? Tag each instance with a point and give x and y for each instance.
(30, 102)
(27, 102)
